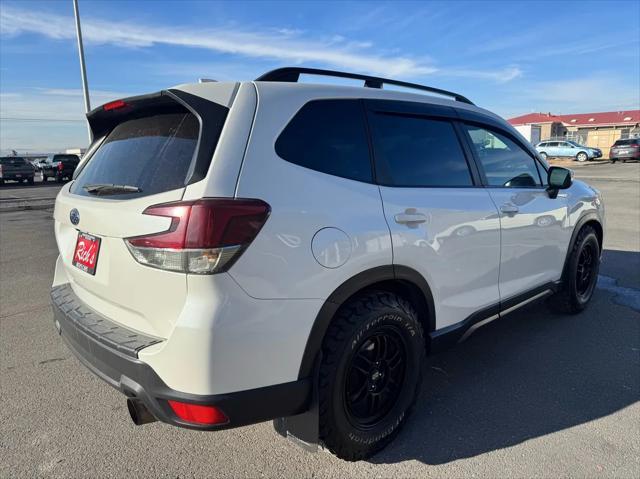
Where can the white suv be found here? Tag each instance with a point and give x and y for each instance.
(237, 252)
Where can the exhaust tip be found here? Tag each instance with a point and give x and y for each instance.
(139, 413)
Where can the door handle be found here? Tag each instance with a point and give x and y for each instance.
(410, 217)
(509, 209)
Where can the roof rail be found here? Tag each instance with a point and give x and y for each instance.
(292, 74)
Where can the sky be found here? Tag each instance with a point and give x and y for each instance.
(510, 57)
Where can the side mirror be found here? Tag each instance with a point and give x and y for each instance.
(558, 179)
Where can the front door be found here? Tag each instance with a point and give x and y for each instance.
(535, 230)
(443, 222)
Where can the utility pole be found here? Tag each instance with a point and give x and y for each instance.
(83, 68)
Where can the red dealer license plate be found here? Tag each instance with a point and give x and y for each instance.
(85, 255)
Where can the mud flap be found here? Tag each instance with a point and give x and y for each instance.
(304, 429)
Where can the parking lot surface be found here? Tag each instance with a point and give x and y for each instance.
(536, 394)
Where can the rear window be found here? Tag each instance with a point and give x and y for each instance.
(414, 151)
(153, 153)
(66, 158)
(328, 136)
(13, 161)
(626, 142)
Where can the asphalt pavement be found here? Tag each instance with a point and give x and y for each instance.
(535, 394)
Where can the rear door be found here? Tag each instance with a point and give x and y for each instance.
(553, 149)
(153, 145)
(443, 223)
(566, 149)
(534, 227)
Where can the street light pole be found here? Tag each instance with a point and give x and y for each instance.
(83, 68)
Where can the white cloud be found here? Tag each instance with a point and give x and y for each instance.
(46, 119)
(579, 95)
(285, 45)
(501, 75)
(597, 92)
(279, 45)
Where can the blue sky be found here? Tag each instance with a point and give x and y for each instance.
(510, 57)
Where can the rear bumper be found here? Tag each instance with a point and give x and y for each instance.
(15, 177)
(628, 155)
(119, 367)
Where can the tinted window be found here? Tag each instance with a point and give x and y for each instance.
(153, 153)
(414, 151)
(542, 172)
(626, 142)
(66, 158)
(504, 162)
(553, 144)
(13, 161)
(328, 136)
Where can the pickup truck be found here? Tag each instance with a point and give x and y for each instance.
(17, 169)
(59, 166)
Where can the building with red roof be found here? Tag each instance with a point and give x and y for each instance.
(598, 130)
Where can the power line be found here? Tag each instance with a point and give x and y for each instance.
(7, 118)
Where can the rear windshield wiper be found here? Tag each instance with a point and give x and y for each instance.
(110, 189)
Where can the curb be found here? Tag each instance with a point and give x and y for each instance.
(574, 164)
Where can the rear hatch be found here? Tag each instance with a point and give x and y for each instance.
(150, 149)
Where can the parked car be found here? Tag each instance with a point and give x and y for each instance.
(225, 261)
(38, 164)
(16, 168)
(60, 167)
(628, 149)
(567, 149)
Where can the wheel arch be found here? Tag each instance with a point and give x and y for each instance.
(589, 219)
(401, 280)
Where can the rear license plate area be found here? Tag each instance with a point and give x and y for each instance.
(85, 254)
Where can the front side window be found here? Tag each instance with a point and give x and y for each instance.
(416, 151)
(328, 136)
(504, 162)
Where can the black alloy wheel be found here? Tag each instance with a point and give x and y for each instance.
(375, 377)
(585, 271)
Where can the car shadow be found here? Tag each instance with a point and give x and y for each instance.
(530, 374)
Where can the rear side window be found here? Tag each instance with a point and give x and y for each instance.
(328, 136)
(415, 151)
(152, 153)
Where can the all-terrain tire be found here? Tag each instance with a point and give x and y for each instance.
(576, 292)
(364, 320)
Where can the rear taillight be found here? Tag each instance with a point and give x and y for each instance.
(205, 236)
(60, 166)
(198, 414)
